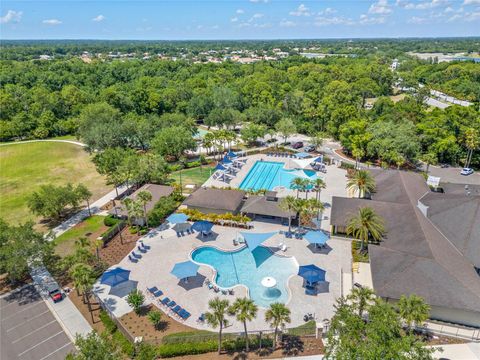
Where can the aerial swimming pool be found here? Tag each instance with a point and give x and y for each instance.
(249, 268)
(269, 174)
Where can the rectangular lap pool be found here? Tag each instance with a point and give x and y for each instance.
(270, 174)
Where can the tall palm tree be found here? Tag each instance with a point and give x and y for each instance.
(278, 315)
(298, 184)
(472, 141)
(318, 185)
(128, 206)
(362, 298)
(136, 211)
(413, 310)
(144, 197)
(361, 181)
(244, 310)
(299, 206)
(81, 275)
(216, 317)
(365, 225)
(288, 204)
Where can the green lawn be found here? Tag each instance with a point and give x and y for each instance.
(90, 228)
(195, 176)
(24, 167)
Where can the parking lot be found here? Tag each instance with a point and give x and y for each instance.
(29, 331)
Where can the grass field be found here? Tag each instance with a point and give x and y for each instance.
(24, 167)
(90, 228)
(194, 176)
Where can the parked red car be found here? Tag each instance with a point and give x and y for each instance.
(55, 294)
(297, 145)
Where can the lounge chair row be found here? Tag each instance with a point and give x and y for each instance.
(182, 233)
(285, 155)
(215, 288)
(168, 304)
(142, 248)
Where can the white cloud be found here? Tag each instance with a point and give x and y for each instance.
(417, 20)
(336, 20)
(98, 18)
(471, 2)
(240, 11)
(51, 22)
(448, 10)
(11, 16)
(423, 5)
(215, 27)
(234, 19)
(380, 7)
(302, 10)
(257, 16)
(287, 23)
(371, 20)
(327, 11)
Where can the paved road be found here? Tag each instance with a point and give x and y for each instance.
(452, 175)
(29, 331)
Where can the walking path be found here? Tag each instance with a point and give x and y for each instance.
(95, 208)
(46, 140)
(67, 314)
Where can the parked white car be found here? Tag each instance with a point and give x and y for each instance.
(466, 171)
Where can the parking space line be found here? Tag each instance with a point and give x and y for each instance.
(25, 309)
(22, 323)
(40, 343)
(53, 352)
(31, 332)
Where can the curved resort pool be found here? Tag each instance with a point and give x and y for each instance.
(270, 174)
(249, 268)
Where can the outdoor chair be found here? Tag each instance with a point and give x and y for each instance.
(142, 250)
(176, 309)
(231, 292)
(165, 301)
(152, 290)
(171, 304)
(146, 247)
(224, 292)
(310, 290)
(184, 314)
(216, 289)
(178, 234)
(201, 318)
(135, 255)
(132, 259)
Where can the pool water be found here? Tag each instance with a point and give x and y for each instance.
(201, 132)
(270, 174)
(249, 268)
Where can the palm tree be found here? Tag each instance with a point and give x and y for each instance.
(144, 197)
(472, 141)
(288, 204)
(245, 310)
(82, 275)
(367, 224)
(128, 206)
(98, 244)
(357, 153)
(299, 184)
(318, 185)
(361, 298)
(278, 315)
(299, 207)
(216, 317)
(413, 310)
(361, 181)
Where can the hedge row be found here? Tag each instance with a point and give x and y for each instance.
(111, 232)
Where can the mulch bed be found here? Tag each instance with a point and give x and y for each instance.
(139, 325)
(116, 249)
(96, 324)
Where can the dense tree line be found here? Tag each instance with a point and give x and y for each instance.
(154, 104)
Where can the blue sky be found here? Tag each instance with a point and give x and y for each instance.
(232, 19)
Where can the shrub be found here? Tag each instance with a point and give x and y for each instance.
(122, 342)
(111, 232)
(181, 349)
(161, 210)
(110, 221)
(136, 299)
(193, 164)
(109, 324)
(347, 166)
(175, 167)
(155, 317)
(356, 255)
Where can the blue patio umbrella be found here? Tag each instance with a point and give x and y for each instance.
(202, 226)
(231, 154)
(311, 273)
(318, 159)
(115, 276)
(177, 218)
(316, 237)
(185, 269)
(220, 167)
(254, 240)
(226, 160)
(302, 155)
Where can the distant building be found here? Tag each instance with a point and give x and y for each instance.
(432, 245)
(215, 201)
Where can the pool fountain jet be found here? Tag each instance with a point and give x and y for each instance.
(271, 290)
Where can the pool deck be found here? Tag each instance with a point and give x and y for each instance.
(153, 269)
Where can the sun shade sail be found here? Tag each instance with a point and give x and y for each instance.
(316, 237)
(311, 273)
(254, 240)
(302, 155)
(115, 276)
(177, 218)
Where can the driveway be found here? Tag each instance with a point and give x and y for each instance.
(28, 330)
